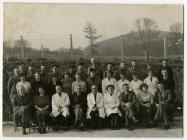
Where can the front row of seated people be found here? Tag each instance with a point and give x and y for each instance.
(127, 107)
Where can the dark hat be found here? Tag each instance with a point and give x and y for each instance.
(110, 86)
(143, 85)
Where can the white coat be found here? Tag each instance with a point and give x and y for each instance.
(60, 102)
(111, 104)
(99, 103)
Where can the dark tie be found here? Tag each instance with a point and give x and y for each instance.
(95, 96)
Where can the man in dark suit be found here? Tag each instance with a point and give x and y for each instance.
(122, 69)
(98, 69)
(167, 80)
(93, 80)
(168, 68)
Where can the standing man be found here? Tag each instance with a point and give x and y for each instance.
(22, 69)
(168, 68)
(122, 69)
(167, 81)
(132, 69)
(54, 71)
(43, 74)
(12, 83)
(81, 72)
(98, 70)
(108, 68)
(30, 75)
(93, 80)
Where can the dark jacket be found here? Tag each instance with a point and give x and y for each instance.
(93, 81)
(19, 101)
(79, 100)
(125, 98)
(169, 70)
(168, 83)
(166, 97)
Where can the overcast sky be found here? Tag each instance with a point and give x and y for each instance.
(51, 24)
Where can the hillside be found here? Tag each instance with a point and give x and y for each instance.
(132, 45)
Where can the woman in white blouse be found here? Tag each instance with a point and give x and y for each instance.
(111, 104)
(135, 84)
(152, 82)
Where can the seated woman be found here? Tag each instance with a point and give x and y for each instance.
(60, 109)
(22, 104)
(164, 104)
(79, 107)
(95, 111)
(111, 104)
(147, 107)
(128, 105)
(41, 104)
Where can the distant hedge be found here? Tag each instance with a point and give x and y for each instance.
(9, 66)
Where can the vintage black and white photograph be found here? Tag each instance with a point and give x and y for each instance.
(92, 70)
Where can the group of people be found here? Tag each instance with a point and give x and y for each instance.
(93, 98)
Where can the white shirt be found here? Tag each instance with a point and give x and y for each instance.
(135, 86)
(106, 82)
(121, 83)
(152, 84)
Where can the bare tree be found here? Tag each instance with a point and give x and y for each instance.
(92, 36)
(177, 29)
(147, 29)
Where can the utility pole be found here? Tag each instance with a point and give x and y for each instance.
(22, 47)
(165, 48)
(42, 50)
(71, 46)
(122, 57)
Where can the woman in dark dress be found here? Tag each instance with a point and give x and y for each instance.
(128, 105)
(79, 105)
(164, 104)
(41, 104)
(147, 106)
